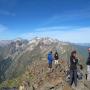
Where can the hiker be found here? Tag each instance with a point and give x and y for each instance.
(73, 68)
(56, 57)
(88, 65)
(50, 59)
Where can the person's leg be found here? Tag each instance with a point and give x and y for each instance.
(86, 76)
(50, 67)
(88, 72)
(57, 61)
(71, 77)
(55, 64)
(75, 77)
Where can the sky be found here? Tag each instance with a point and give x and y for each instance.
(66, 20)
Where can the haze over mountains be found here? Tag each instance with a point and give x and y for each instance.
(18, 55)
(84, 44)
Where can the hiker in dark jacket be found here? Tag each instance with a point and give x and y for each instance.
(56, 57)
(50, 59)
(88, 66)
(73, 68)
(88, 60)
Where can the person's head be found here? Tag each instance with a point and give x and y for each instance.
(89, 49)
(73, 54)
(51, 52)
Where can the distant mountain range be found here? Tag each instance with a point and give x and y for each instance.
(83, 44)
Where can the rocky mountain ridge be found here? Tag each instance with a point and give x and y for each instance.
(20, 54)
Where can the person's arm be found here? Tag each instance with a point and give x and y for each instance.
(53, 57)
(76, 61)
(58, 55)
(73, 61)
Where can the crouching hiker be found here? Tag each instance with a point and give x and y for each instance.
(73, 68)
(88, 66)
(50, 59)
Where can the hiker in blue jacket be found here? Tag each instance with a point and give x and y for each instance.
(50, 59)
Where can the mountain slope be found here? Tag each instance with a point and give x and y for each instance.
(25, 53)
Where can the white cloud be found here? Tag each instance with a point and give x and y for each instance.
(7, 7)
(3, 12)
(56, 28)
(76, 35)
(3, 28)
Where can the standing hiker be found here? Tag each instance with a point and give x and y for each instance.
(50, 59)
(88, 65)
(56, 57)
(73, 68)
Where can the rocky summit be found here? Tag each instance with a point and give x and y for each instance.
(23, 65)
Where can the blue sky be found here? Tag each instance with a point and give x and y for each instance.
(66, 20)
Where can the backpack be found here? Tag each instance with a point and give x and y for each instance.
(68, 75)
(79, 75)
(81, 67)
